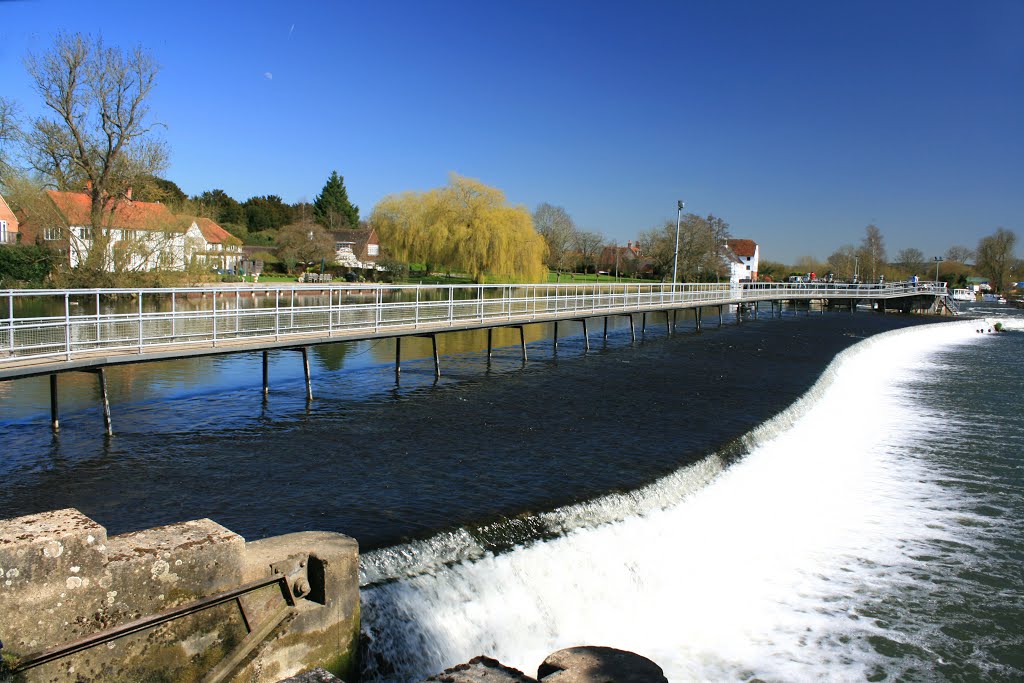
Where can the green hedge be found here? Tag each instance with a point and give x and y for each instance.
(21, 265)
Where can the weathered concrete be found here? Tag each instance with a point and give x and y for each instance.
(63, 579)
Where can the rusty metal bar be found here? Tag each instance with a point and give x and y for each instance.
(144, 623)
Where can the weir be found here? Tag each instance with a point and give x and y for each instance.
(118, 326)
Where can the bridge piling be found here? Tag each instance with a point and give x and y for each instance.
(54, 421)
(101, 376)
(490, 331)
(266, 374)
(522, 341)
(586, 335)
(605, 337)
(305, 368)
(398, 358)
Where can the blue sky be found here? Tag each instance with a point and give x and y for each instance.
(797, 122)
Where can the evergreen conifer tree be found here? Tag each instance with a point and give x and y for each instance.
(332, 208)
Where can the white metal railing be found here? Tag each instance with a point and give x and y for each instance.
(65, 324)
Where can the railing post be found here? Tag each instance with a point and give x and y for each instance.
(10, 317)
(451, 304)
(378, 302)
(277, 315)
(142, 343)
(67, 327)
(174, 315)
(215, 317)
(97, 318)
(416, 314)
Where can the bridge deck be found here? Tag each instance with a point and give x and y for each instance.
(99, 328)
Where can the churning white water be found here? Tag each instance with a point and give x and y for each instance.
(761, 569)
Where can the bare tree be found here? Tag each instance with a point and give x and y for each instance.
(588, 245)
(843, 262)
(910, 261)
(98, 132)
(700, 246)
(9, 135)
(872, 251)
(554, 224)
(305, 242)
(995, 256)
(960, 254)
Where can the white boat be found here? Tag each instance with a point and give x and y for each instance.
(963, 295)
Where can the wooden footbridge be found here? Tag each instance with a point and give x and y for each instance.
(48, 332)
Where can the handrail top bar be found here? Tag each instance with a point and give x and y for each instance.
(348, 286)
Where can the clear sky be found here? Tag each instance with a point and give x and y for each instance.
(797, 122)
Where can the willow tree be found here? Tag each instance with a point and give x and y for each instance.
(465, 227)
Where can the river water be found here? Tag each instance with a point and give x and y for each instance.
(737, 504)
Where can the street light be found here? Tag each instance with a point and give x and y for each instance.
(675, 258)
(938, 260)
(856, 267)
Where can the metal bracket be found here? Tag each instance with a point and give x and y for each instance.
(295, 574)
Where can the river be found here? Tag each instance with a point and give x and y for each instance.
(734, 504)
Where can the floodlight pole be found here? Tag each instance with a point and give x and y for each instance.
(675, 258)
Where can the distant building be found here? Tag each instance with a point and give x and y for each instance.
(8, 224)
(742, 256)
(140, 236)
(627, 261)
(356, 248)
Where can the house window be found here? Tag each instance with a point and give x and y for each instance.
(372, 249)
(748, 267)
(85, 233)
(51, 234)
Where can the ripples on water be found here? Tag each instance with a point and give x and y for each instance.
(872, 531)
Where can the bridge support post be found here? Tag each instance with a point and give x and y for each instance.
(586, 335)
(674, 319)
(555, 337)
(305, 369)
(757, 309)
(522, 341)
(398, 358)
(720, 318)
(490, 346)
(632, 327)
(102, 377)
(605, 327)
(668, 323)
(266, 374)
(437, 359)
(54, 421)
(643, 323)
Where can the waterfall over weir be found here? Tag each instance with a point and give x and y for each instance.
(772, 567)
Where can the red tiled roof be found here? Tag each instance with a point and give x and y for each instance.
(76, 207)
(743, 247)
(214, 234)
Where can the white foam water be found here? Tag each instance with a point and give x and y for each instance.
(759, 570)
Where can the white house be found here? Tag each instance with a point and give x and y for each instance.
(742, 256)
(139, 236)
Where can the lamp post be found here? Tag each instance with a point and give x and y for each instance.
(675, 258)
(938, 260)
(856, 266)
